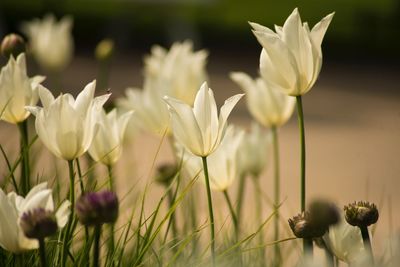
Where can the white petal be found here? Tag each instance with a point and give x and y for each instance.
(85, 98)
(63, 213)
(46, 97)
(319, 30)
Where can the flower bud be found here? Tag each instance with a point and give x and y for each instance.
(361, 214)
(38, 223)
(12, 44)
(104, 50)
(303, 226)
(324, 212)
(166, 173)
(96, 208)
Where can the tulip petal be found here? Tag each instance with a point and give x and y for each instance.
(319, 30)
(185, 126)
(9, 228)
(84, 99)
(63, 213)
(46, 97)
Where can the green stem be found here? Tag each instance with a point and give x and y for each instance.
(308, 247)
(111, 241)
(210, 209)
(277, 192)
(42, 252)
(232, 211)
(25, 168)
(303, 152)
(172, 222)
(67, 235)
(240, 193)
(367, 243)
(78, 166)
(96, 250)
(258, 203)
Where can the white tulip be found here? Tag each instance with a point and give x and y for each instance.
(51, 42)
(223, 167)
(106, 146)
(345, 242)
(67, 126)
(151, 113)
(12, 206)
(254, 151)
(17, 90)
(199, 129)
(178, 72)
(291, 58)
(268, 105)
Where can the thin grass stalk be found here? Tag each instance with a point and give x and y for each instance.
(210, 210)
(233, 215)
(111, 241)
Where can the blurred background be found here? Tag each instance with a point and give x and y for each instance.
(352, 113)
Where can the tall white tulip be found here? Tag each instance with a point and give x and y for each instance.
(291, 58)
(106, 146)
(254, 151)
(223, 163)
(199, 129)
(51, 41)
(268, 105)
(151, 113)
(17, 90)
(345, 242)
(178, 72)
(12, 206)
(67, 126)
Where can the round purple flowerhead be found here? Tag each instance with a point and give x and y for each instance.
(38, 223)
(95, 208)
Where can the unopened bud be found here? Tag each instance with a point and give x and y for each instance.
(12, 44)
(104, 50)
(361, 214)
(96, 208)
(303, 226)
(38, 223)
(166, 173)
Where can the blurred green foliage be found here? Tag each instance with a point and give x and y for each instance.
(359, 25)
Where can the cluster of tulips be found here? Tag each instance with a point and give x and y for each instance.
(175, 102)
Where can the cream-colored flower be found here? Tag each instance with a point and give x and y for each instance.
(151, 113)
(106, 146)
(17, 90)
(345, 242)
(51, 41)
(178, 72)
(223, 167)
(254, 151)
(199, 129)
(291, 58)
(12, 206)
(67, 126)
(268, 105)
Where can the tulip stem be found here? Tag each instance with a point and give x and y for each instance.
(258, 204)
(232, 211)
(25, 171)
(111, 242)
(210, 209)
(241, 190)
(367, 243)
(277, 192)
(42, 252)
(67, 233)
(300, 117)
(96, 250)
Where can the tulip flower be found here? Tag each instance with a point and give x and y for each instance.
(223, 163)
(66, 126)
(106, 146)
(345, 242)
(151, 113)
(267, 105)
(291, 58)
(178, 72)
(199, 129)
(12, 208)
(254, 151)
(51, 41)
(17, 90)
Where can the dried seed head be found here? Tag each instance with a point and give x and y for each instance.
(361, 213)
